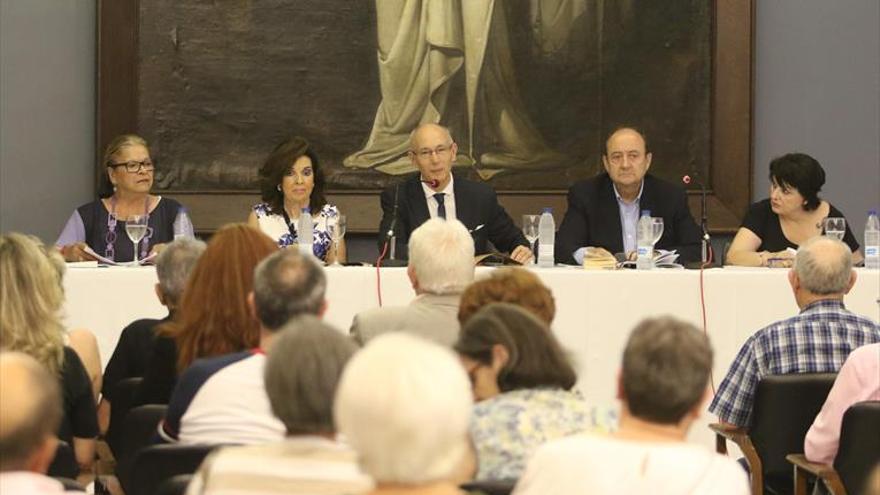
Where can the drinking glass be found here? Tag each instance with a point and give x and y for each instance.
(136, 229)
(834, 227)
(336, 226)
(530, 230)
(656, 229)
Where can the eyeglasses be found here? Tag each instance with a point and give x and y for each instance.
(135, 167)
(440, 151)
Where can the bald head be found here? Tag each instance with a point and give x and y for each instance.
(427, 131)
(823, 266)
(30, 412)
(432, 152)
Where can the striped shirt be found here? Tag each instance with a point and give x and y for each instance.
(298, 465)
(818, 340)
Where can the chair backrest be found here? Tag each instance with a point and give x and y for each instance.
(785, 407)
(156, 464)
(859, 449)
(123, 398)
(176, 485)
(138, 432)
(64, 463)
(491, 487)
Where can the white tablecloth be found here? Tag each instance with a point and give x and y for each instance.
(595, 309)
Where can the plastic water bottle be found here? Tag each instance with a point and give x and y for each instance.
(872, 241)
(304, 234)
(546, 238)
(183, 226)
(644, 242)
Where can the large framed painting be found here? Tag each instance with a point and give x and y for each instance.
(529, 89)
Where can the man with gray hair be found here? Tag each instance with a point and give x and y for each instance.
(301, 375)
(223, 399)
(818, 340)
(132, 353)
(662, 387)
(441, 265)
(30, 412)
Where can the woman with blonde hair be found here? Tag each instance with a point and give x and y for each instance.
(31, 297)
(123, 193)
(212, 317)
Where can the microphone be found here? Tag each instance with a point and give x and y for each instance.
(390, 244)
(433, 183)
(704, 213)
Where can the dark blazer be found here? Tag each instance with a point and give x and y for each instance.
(475, 204)
(593, 218)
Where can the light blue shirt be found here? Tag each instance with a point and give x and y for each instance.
(629, 221)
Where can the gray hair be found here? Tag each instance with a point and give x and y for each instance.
(666, 367)
(302, 371)
(824, 266)
(288, 284)
(174, 265)
(404, 404)
(30, 406)
(441, 252)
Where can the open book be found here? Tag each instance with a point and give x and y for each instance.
(107, 261)
(662, 259)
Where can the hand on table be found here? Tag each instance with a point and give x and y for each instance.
(522, 254)
(76, 252)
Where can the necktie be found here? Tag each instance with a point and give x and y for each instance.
(441, 207)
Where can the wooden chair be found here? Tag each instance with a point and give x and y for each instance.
(857, 455)
(783, 410)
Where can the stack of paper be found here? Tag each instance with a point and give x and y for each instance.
(599, 259)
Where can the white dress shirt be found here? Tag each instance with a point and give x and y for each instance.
(448, 200)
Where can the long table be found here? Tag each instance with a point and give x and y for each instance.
(595, 309)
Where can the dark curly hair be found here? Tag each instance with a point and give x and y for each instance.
(279, 163)
(802, 172)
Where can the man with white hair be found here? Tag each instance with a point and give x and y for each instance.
(30, 412)
(818, 340)
(404, 404)
(441, 265)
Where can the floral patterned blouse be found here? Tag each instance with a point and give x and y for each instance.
(508, 428)
(273, 225)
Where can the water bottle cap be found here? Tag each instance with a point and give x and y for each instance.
(306, 210)
(547, 209)
(872, 212)
(646, 213)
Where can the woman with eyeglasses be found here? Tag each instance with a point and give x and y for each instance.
(124, 192)
(291, 180)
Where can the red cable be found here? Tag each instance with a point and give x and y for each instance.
(378, 276)
(703, 306)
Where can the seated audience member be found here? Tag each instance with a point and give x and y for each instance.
(437, 280)
(604, 211)
(662, 387)
(213, 317)
(513, 285)
(793, 214)
(858, 380)
(403, 405)
(818, 340)
(523, 385)
(124, 191)
(223, 399)
(302, 371)
(30, 412)
(135, 346)
(31, 297)
(436, 192)
(292, 179)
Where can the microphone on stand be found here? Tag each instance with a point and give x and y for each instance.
(704, 214)
(391, 236)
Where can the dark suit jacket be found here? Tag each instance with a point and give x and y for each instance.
(593, 218)
(475, 204)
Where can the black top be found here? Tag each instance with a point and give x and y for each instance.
(160, 375)
(476, 206)
(94, 217)
(593, 218)
(132, 354)
(80, 418)
(761, 220)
